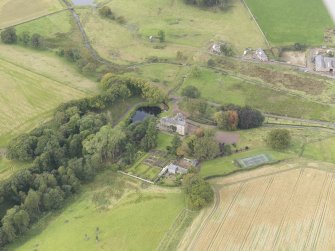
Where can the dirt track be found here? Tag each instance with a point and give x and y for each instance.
(285, 208)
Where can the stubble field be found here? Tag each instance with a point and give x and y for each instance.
(288, 207)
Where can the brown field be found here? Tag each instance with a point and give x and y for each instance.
(285, 207)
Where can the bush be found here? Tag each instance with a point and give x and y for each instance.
(190, 92)
(8, 36)
(161, 36)
(37, 41)
(106, 12)
(198, 192)
(279, 139)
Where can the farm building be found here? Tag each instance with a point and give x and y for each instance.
(172, 169)
(260, 55)
(174, 124)
(324, 64)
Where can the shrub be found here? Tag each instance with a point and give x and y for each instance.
(191, 92)
(279, 139)
(106, 12)
(8, 36)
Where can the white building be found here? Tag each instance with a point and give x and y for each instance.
(174, 124)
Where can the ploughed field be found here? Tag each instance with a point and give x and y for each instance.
(285, 208)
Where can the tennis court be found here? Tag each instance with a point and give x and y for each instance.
(254, 161)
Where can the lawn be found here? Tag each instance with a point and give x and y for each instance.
(13, 12)
(188, 29)
(27, 99)
(292, 21)
(224, 89)
(164, 140)
(129, 217)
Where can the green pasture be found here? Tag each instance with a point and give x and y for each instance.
(291, 21)
(129, 217)
(188, 29)
(224, 89)
(323, 150)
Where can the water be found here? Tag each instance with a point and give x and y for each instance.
(143, 112)
(83, 2)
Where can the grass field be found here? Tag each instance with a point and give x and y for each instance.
(27, 99)
(130, 216)
(8, 167)
(292, 21)
(164, 140)
(285, 207)
(188, 29)
(225, 89)
(14, 12)
(323, 150)
(48, 26)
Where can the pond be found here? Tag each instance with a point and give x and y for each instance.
(143, 112)
(83, 2)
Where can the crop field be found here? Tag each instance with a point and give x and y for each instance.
(225, 89)
(27, 99)
(288, 207)
(292, 21)
(187, 29)
(129, 215)
(14, 12)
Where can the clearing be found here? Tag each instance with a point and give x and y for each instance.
(18, 11)
(292, 21)
(267, 209)
(130, 216)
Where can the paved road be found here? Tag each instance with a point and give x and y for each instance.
(330, 4)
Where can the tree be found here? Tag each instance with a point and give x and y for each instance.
(227, 50)
(149, 141)
(37, 41)
(25, 38)
(249, 118)
(161, 36)
(191, 92)
(106, 12)
(8, 36)
(279, 139)
(32, 203)
(206, 148)
(221, 120)
(198, 192)
(175, 144)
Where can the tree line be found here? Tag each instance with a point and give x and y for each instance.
(69, 150)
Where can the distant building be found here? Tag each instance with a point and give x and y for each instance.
(324, 64)
(260, 55)
(174, 124)
(172, 169)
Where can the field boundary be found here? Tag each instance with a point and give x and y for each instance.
(136, 177)
(253, 17)
(36, 18)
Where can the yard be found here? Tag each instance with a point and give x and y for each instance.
(292, 21)
(130, 216)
